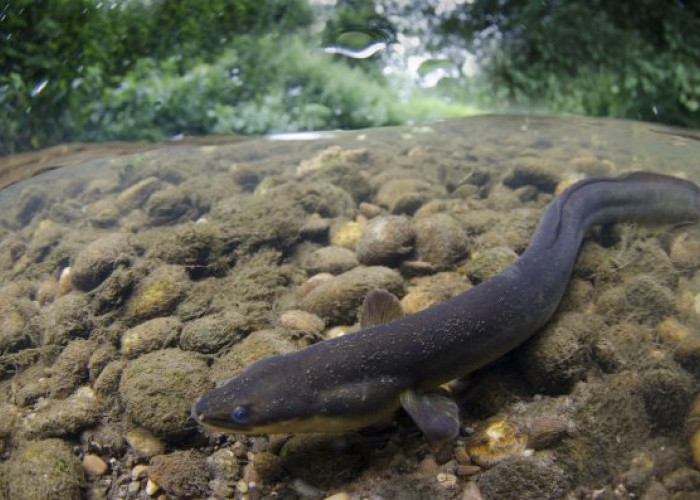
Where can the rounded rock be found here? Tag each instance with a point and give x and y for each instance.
(45, 469)
(303, 321)
(440, 240)
(70, 368)
(151, 335)
(212, 333)
(525, 478)
(171, 205)
(256, 346)
(405, 196)
(346, 234)
(386, 240)
(488, 263)
(180, 474)
(685, 251)
(158, 389)
(338, 299)
(559, 356)
(333, 259)
(97, 261)
(158, 293)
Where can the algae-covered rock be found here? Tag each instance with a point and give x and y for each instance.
(559, 356)
(144, 444)
(107, 384)
(337, 300)
(643, 299)
(652, 300)
(170, 205)
(525, 478)
(386, 240)
(15, 333)
(426, 291)
(97, 260)
(112, 292)
(45, 469)
(199, 247)
(405, 196)
(71, 367)
(158, 389)
(440, 240)
(536, 175)
(301, 321)
(101, 356)
(324, 460)
(488, 263)
(181, 473)
(223, 464)
(67, 318)
(685, 251)
(158, 294)
(332, 259)
(256, 346)
(211, 333)
(321, 198)
(622, 346)
(66, 416)
(667, 394)
(610, 420)
(136, 194)
(250, 222)
(346, 234)
(10, 425)
(151, 335)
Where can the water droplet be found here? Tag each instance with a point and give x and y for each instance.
(39, 87)
(360, 42)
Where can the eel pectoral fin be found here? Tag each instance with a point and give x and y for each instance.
(435, 413)
(380, 307)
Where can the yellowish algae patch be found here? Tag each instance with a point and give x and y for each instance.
(496, 442)
(347, 234)
(158, 294)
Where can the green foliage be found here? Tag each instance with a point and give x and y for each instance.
(255, 87)
(624, 59)
(73, 50)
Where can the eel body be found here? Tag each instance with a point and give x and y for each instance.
(361, 378)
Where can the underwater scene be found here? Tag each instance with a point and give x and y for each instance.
(139, 292)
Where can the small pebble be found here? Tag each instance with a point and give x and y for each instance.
(685, 251)
(134, 487)
(346, 234)
(94, 465)
(467, 470)
(305, 489)
(471, 492)
(428, 465)
(242, 486)
(369, 210)
(462, 456)
(151, 488)
(139, 471)
(65, 283)
(447, 479)
(339, 496)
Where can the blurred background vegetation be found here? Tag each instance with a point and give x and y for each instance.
(153, 69)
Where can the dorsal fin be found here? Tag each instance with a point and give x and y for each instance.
(380, 307)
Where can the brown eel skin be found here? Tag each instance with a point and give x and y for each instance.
(362, 378)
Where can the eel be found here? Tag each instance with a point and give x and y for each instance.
(362, 378)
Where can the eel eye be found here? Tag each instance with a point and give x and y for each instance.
(239, 414)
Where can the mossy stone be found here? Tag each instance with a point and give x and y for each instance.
(45, 469)
(158, 389)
